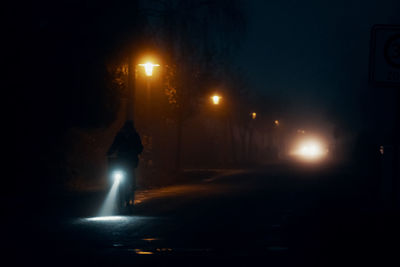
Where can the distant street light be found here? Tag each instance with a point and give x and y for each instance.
(276, 122)
(148, 68)
(253, 115)
(216, 99)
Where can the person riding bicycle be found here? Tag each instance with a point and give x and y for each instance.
(124, 153)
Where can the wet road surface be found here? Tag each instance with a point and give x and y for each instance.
(286, 216)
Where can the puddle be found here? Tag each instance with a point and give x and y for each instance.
(142, 252)
(150, 239)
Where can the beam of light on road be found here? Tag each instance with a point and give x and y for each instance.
(106, 219)
(109, 205)
(117, 221)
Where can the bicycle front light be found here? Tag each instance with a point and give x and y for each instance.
(118, 176)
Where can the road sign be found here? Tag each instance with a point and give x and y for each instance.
(385, 55)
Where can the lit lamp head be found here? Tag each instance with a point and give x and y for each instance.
(118, 176)
(148, 68)
(216, 99)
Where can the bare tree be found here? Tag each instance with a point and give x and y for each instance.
(197, 37)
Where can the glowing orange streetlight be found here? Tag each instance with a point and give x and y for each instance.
(148, 68)
(253, 115)
(216, 99)
(276, 122)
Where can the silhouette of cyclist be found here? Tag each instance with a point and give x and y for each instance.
(124, 155)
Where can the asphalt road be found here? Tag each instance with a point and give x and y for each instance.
(277, 216)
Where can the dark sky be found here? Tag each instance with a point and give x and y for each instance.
(313, 54)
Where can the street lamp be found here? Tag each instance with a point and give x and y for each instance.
(148, 67)
(253, 115)
(276, 122)
(132, 68)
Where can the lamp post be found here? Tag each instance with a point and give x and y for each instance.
(251, 133)
(216, 100)
(148, 134)
(148, 68)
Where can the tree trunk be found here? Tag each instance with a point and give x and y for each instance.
(232, 137)
(243, 144)
(250, 146)
(131, 88)
(178, 155)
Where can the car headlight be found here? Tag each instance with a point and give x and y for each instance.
(310, 150)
